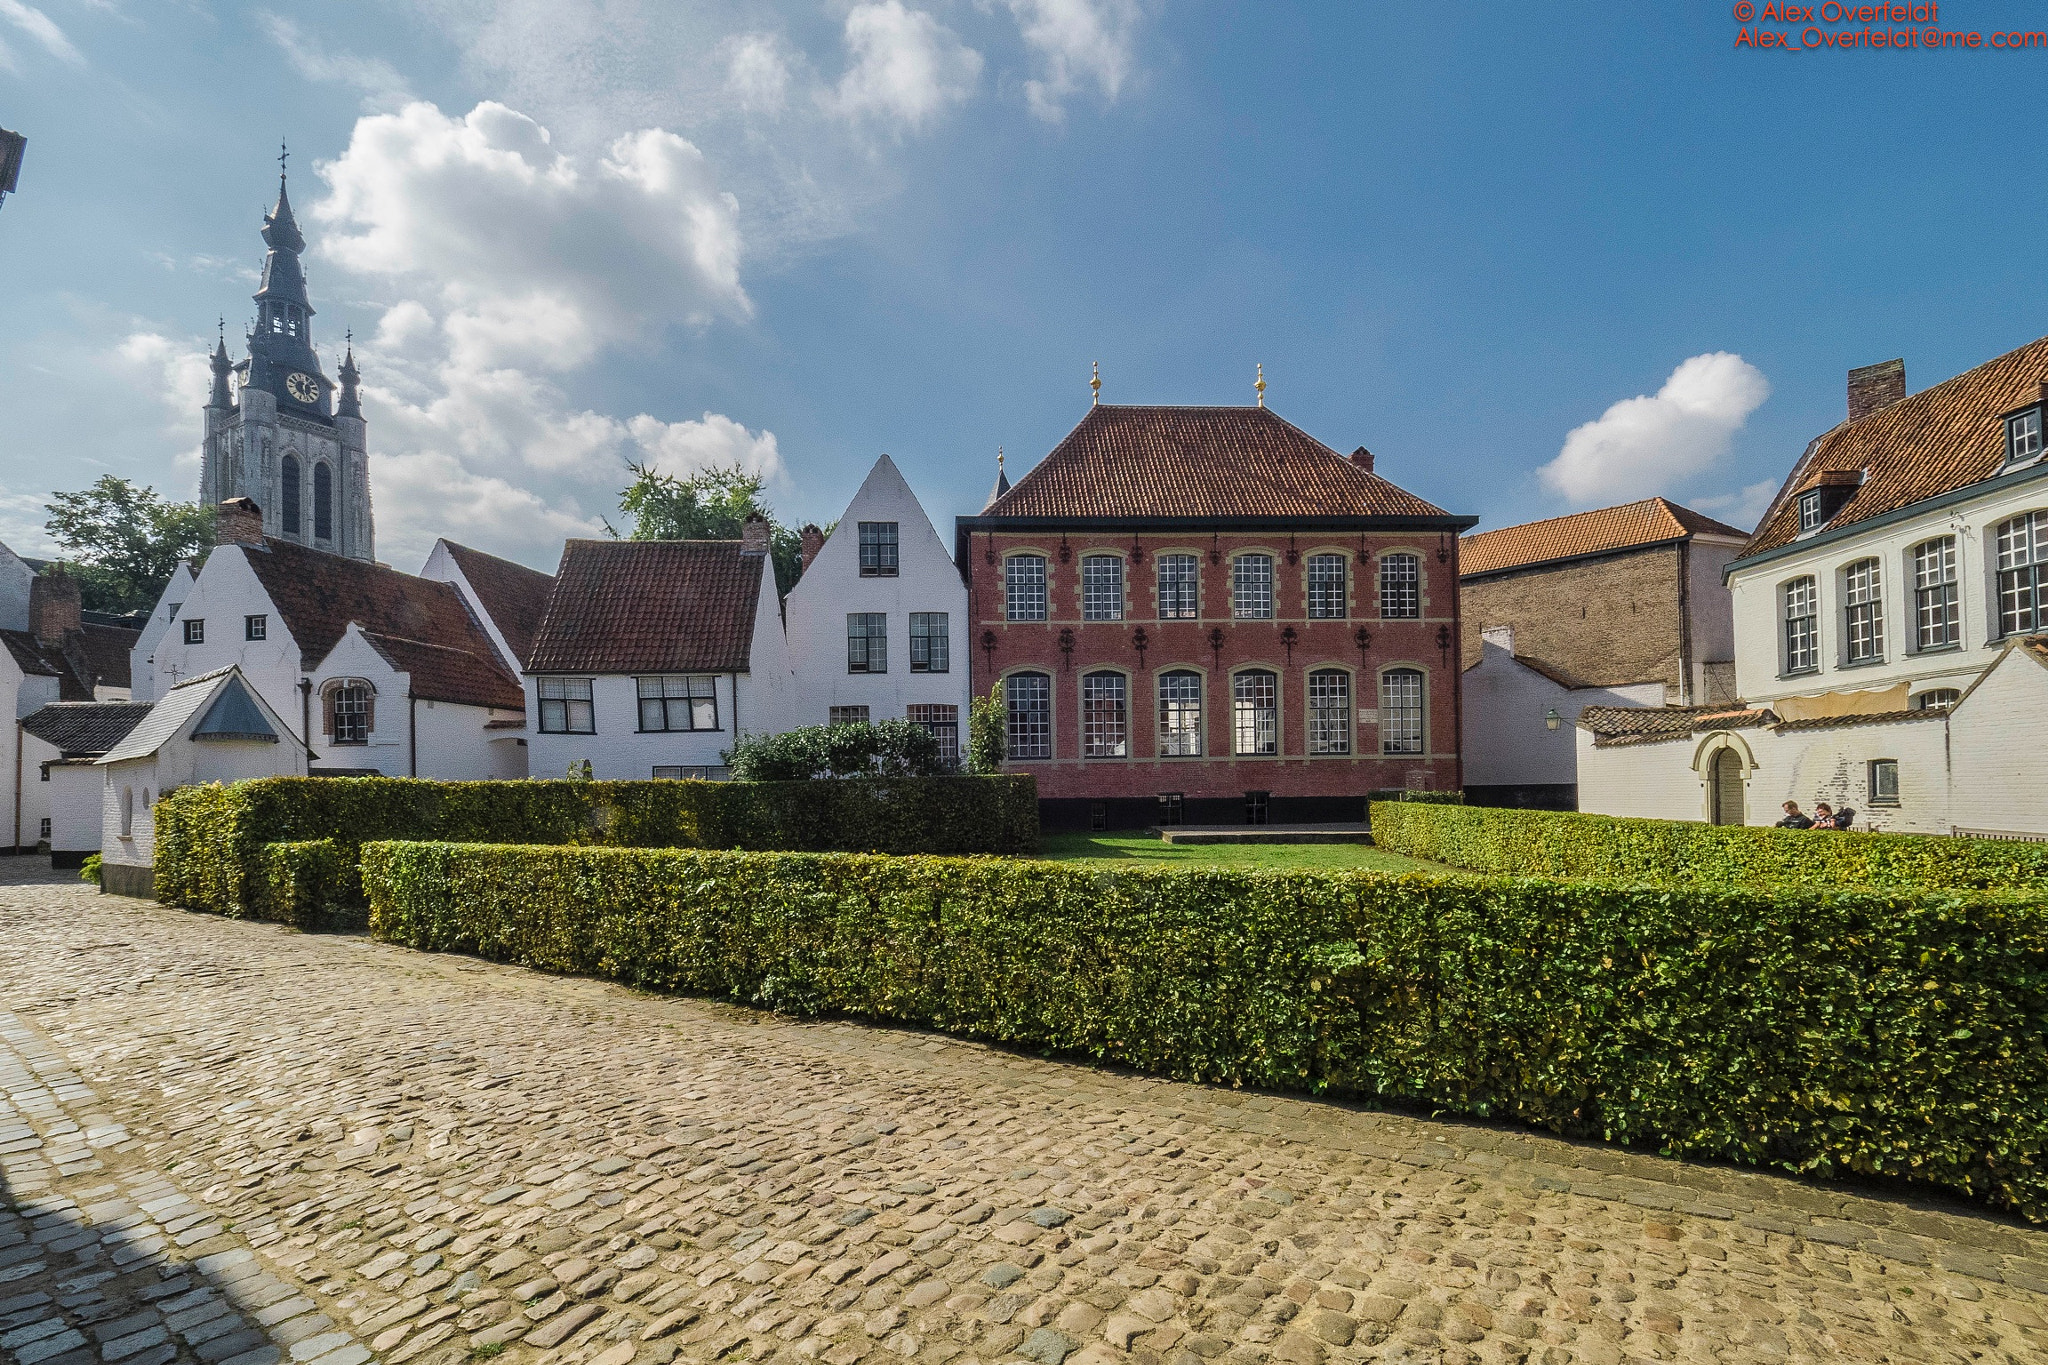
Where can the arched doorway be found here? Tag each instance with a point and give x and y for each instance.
(1724, 788)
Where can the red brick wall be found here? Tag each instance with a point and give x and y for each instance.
(1170, 644)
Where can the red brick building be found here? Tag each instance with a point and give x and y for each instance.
(1206, 615)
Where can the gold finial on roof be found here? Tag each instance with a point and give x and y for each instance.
(999, 459)
(1095, 384)
(1261, 384)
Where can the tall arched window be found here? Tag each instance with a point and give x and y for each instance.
(1329, 711)
(289, 513)
(2022, 573)
(350, 711)
(1401, 718)
(1024, 588)
(1027, 704)
(1937, 619)
(1105, 715)
(323, 502)
(1863, 612)
(1802, 625)
(1180, 714)
(1255, 712)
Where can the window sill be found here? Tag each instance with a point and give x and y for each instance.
(711, 730)
(1882, 805)
(1955, 648)
(880, 573)
(566, 732)
(1799, 673)
(928, 672)
(1863, 663)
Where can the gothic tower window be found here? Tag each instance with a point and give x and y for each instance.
(323, 502)
(290, 496)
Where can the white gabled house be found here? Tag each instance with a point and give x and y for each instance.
(653, 655)
(878, 622)
(216, 727)
(59, 745)
(169, 602)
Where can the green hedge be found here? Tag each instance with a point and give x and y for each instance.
(211, 840)
(1902, 1035)
(1527, 843)
(301, 881)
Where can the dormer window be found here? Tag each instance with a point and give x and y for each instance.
(2023, 435)
(1833, 488)
(1810, 518)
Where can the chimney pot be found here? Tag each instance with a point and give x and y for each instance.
(1362, 458)
(238, 521)
(55, 608)
(813, 541)
(754, 535)
(1876, 386)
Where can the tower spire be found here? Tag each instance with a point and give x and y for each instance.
(348, 403)
(221, 396)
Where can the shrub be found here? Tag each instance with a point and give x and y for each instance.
(212, 839)
(1901, 1035)
(89, 870)
(1426, 798)
(883, 748)
(1552, 844)
(987, 732)
(303, 884)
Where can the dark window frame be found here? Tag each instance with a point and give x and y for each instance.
(880, 549)
(867, 642)
(1028, 715)
(256, 627)
(195, 630)
(669, 703)
(564, 704)
(933, 631)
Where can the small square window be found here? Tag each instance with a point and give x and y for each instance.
(1255, 805)
(1884, 782)
(878, 549)
(255, 627)
(2023, 435)
(1173, 808)
(195, 631)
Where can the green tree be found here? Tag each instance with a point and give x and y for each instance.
(712, 504)
(987, 721)
(124, 542)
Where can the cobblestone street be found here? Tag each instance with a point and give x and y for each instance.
(229, 1143)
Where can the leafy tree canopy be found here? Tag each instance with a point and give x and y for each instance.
(123, 542)
(712, 504)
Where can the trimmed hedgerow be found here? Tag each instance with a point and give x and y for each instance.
(880, 748)
(211, 840)
(1903, 1035)
(1529, 843)
(300, 881)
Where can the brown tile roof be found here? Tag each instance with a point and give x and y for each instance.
(72, 663)
(1861, 718)
(1616, 725)
(85, 729)
(1940, 439)
(1128, 461)
(318, 595)
(1653, 521)
(439, 673)
(631, 606)
(513, 595)
(107, 648)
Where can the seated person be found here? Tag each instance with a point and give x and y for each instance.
(1793, 819)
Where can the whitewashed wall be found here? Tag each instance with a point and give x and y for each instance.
(455, 743)
(1507, 742)
(225, 593)
(30, 693)
(74, 804)
(142, 656)
(1995, 736)
(1644, 781)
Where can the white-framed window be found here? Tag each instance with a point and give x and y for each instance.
(941, 720)
(1810, 518)
(1027, 703)
(1102, 587)
(1327, 587)
(847, 715)
(878, 549)
(1802, 625)
(1884, 782)
(195, 630)
(1180, 714)
(1863, 612)
(1024, 588)
(2023, 435)
(930, 642)
(1105, 715)
(677, 701)
(1251, 587)
(1179, 587)
(565, 706)
(255, 627)
(1329, 711)
(2022, 579)
(867, 642)
(348, 713)
(1937, 615)
(1935, 697)
(1255, 712)
(1401, 714)
(1401, 587)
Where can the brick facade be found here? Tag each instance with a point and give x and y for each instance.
(1606, 621)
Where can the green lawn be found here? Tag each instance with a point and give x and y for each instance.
(1139, 850)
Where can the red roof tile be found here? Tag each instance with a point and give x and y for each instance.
(1199, 462)
(1940, 439)
(633, 606)
(513, 595)
(439, 673)
(1653, 521)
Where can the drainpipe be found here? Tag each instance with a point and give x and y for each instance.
(735, 708)
(412, 731)
(1457, 673)
(1686, 695)
(17, 786)
(306, 718)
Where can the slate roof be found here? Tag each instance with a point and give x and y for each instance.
(1634, 525)
(85, 729)
(439, 673)
(1225, 462)
(1936, 441)
(634, 606)
(514, 596)
(173, 709)
(235, 715)
(318, 594)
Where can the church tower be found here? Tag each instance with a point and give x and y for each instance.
(278, 431)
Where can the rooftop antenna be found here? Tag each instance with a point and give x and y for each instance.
(1095, 384)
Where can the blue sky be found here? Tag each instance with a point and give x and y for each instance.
(568, 234)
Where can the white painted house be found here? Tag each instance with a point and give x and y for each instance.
(1522, 714)
(653, 655)
(1906, 554)
(878, 622)
(169, 602)
(212, 728)
(60, 743)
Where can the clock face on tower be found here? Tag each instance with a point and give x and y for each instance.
(303, 387)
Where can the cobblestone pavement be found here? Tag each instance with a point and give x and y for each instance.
(229, 1143)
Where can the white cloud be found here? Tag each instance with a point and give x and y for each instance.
(1743, 508)
(1656, 443)
(378, 80)
(175, 374)
(40, 27)
(757, 73)
(907, 67)
(1077, 42)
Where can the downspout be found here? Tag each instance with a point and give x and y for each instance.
(735, 709)
(1457, 672)
(306, 718)
(17, 786)
(1685, 689)
(412, 732)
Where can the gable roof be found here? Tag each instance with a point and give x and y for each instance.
(628, 606)
(234, 714)
(107, 650)
(439, 673)
(80, 662)
(1618, 725)
(513, 596)
(85, 729)
(1631, 526)
(1936, 441)
(179, 705)
(1237, 463)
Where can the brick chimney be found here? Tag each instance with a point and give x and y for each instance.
(55, 609)
(1500, 637)
(1876, 386)
(238, 521)
(813, 541)
(754, 535)
(1362, 458)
